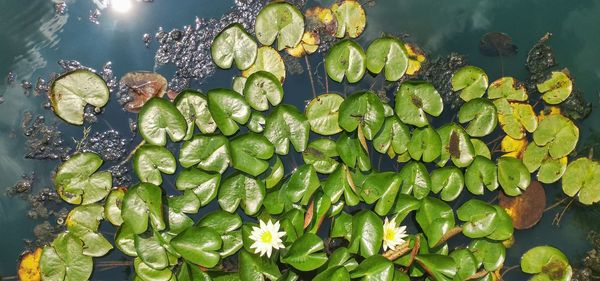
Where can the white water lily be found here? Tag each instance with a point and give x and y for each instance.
(266, 238)
(392, 235)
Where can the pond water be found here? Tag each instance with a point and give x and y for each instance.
(35, 37)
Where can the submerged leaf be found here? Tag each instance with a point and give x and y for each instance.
(527, 209)
(495, 44)
(141, 87)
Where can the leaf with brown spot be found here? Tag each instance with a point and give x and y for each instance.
(526, 209)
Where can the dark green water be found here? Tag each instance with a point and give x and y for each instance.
(33, 39)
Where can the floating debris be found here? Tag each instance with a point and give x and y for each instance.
(494, 44)
(22, 186)
(439, 73)
(41, 86)
(109, 76)
(136, 88)
(26, 85)
(60, 8)
(11, 78)
(109, 145)
(95, 15)
(42, 141)
(147, 40)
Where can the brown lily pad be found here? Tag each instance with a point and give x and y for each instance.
(495, 44)
(526, 209)
(141, 87)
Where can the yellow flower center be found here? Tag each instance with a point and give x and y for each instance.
(266, 238)
(389, 234)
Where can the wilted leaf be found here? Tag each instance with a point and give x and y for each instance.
(527, 209)
(141, 87)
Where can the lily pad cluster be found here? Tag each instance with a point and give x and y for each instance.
(326, 215)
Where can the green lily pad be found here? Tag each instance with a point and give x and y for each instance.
(305, 253)
(150, 161)
(435, 218)
(383, 187)
(257, 122)
(263, 88)
(440, 267)
(352, 153)
(364, 110)
(302, 184)
(199, 245)
(125, 240)
(204, 185)
(77, 181)
(159, 118)
(548, 263)
(550, 170)
(250, 153)
(322, 114)
(449, 181)
(414, 100)
(367, 234)
(144, 272)
(374, 268)
(508, 88)
(394, 136)
(479, 217)
(240, 189)
(466, 264)
(350, 18)
(513, 176)
(346, 59)
(238, 84)
(415, 180)
(481, 148)
(557, 88)
(482, 173)
(269, 60)
(275, 173)
(516, 118)
(481, 115)
(425, 144)
(228, 109)
(150, 250)
(489, 254)
(64, 259)
(582, 178)
(83, 222)
(337, 185)
(336, 273)
(233, 44)
(71, 92)
(471, 81)
(405, 204)
(281, 21)
(253, 267)
(286, 124)
(388, 53)
(112, 206)
(209, 153)
(178, 208)
(456, 146)
(193, 106)
(558, 133)
(143, 202)
(320, 154)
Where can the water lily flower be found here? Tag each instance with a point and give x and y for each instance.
(266, 238)
(392, 235)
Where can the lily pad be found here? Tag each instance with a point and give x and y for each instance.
(382, 187)
(481, 115)
(582, 178)
(352, 153)
(275, 173)
(228, 109)
(199, 245)
(374, 268)
(150, 161)
(308, 45)
(113, 206)
(204, 185)
(346, 59)
(516, 118)
(557, 88)
(305, 253)
(456, 146)
(508, 88)
(439, 267)
(159, 118)
(362, 110)
(240, 189)
(262, 88)
(435, 218)
(71, 92)
(548, 263)
(78, 182)
(480, 218)
(414, 100)
(425, 144)
(351, 18)
(488, 253)
(527, 209)
(513, 176)
(482, 173)
(250, 152)
(83, 222)
(449, 181)
(387, 53)
(145, 272)
(558, 133)
(367, 234)
(471, 81)
(415, 180)
(320, 154)
(234, 44)
(142, 86)
(257, 122)
(193, 106)
(286, 124)
(141, 203)
(394, 136)
(253, 267)
(209, 152)
(279, 21)
(269, 60)
(322, 113)
(64, 259)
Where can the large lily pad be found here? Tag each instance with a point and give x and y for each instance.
(516, 118)
(582, 178)
(159, 118)
(382, 187)
(550, 170)
(193, 106)
(387, 53)
(240, 189)
(280, 21)
(346, 59)
(203, 185)
(353, 153)
(367, 234)
(286, 124)
(482, 173)
(558, 133)
(449, 181)
(141, 203)
(490, 254)
(481, 115)
(425, 144)
(150, 161)
(362, 110)
(415, 180)
(228, 109)
(250, 152)
(435, 218)
(253, 267)
(471, 81)
(414, 100)
(322, 113)
(234, 44)
(262, 88)
(83, 222)
(64, 259)
(527, 209)
(305, 253)
(209, 153)
(394, 136)
(199, 245)
(439, 267)
(548, 263)
(269, 60)
(557, 88)
(72, 91)
(374, 268)
(77, 181)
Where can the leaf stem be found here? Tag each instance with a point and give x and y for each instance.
(478, 274)
(399, 251)
(449, 234)
(310, 76)
(560, 215)
(132, 153)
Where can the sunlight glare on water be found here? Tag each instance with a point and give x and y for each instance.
(121, 6)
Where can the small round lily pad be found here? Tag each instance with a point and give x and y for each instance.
(322, 113)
